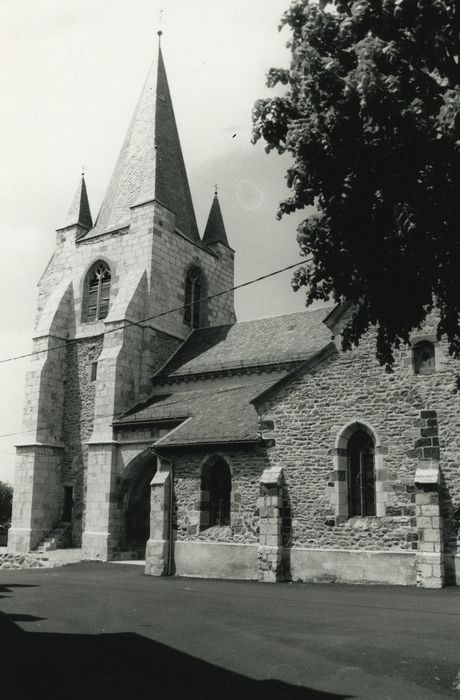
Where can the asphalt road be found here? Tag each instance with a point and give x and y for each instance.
(106, 630)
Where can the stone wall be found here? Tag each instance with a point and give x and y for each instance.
(172, 256)
(37, 495)
(78, 423)
(310, 414)
(152, 245)
(246, 466)
(21, 561)
(148, 261)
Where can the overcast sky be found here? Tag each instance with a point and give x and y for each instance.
(70, 75)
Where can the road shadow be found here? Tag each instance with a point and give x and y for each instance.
(122, 666)
(7, 588)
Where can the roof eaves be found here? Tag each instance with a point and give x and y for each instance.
(119, 422)
(226, 245)
(221, 368)
(93, 234)
(141, 405)
(199, 244)
(336, 314)
(207, 443)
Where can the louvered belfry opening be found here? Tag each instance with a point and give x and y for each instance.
(99, 278)
(194, 291)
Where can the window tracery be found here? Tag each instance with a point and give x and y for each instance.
(194, 292)
(97, 291)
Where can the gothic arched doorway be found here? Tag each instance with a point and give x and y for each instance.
(140, 473)
(137, 517)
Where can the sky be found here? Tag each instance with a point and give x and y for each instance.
(71, 72)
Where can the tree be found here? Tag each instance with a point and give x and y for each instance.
(6, 501)
(371, 117)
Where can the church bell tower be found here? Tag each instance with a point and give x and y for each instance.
(104, 326)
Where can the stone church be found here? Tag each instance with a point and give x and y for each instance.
(160, 428)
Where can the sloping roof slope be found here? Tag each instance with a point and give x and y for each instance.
(215, 227)
(79, 212)
(265, 341)
(150, 165)
(209, 417)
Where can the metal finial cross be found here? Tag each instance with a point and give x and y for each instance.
(160, 24)
(216, 189)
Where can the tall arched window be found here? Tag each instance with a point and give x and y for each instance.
(216, 488)
(97, 290)
(194, 291)
(361, 474)
(424, 358)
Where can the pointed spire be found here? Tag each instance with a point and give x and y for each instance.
(150, 165)
(79, 212)
(215, 229)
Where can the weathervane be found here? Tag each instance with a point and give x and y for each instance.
(160, 24)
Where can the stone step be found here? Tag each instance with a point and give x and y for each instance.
(127, 553)
(56, 539)
(46, 547)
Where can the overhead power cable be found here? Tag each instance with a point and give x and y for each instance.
(164, 404)
(127, 324)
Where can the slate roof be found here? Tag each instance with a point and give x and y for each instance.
(79, 212)
(209, 417)
(214, 415)
(265, 341)
(150, 165)
(215, 229)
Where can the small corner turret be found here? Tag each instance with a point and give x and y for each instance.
(215, 228)
(79, 213)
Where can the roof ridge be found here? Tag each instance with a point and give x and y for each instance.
(263, 318)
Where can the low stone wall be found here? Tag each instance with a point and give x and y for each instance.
(350, 566)
(21, 561)
(216, 560)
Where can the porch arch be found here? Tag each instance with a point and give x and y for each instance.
(134, 499)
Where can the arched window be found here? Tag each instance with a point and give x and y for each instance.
(424, 359)
(216, 488)
(361, 474)
(194, 291)
(97, 291)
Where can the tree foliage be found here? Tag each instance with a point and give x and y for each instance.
(371, 116)
(6, 501)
